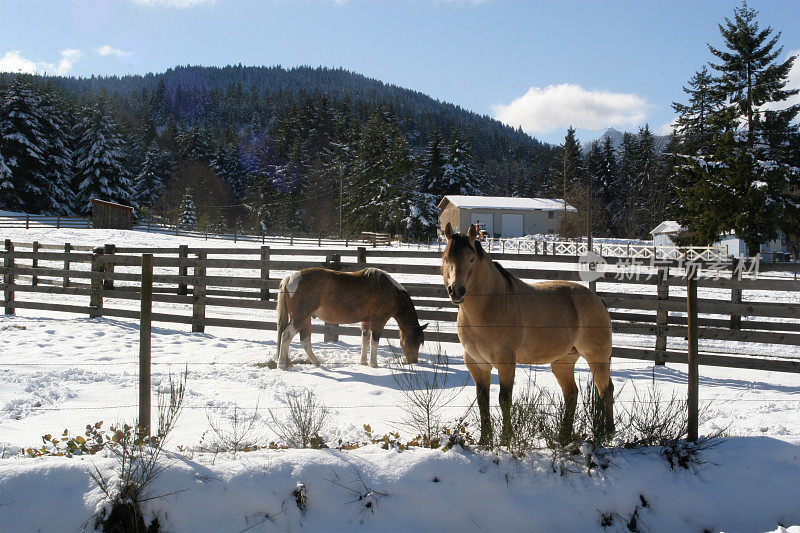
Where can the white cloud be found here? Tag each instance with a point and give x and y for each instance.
(107, 50)
(68, 59)
(559, 106)
(180, 4)
(13, 61)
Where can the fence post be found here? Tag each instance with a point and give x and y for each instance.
(88, 223)
(67, 249)
(183, 270)
(145, 320)
(199, 305)
(58, 222)
(8, 279)
(35, 263)
(662, 316)
(96, 298)
(736, 293)
(361, 257)
(694, 378)
(334, 262)
(108, 268)
(264, 271)
(27, 221)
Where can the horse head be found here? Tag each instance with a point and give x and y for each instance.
(411, 340)
(458, 261)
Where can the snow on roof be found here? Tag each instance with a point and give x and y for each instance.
(668, 226)
(506, 202)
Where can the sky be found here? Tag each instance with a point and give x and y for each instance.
(542, 65)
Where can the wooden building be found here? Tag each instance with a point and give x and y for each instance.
(501, 216)
(111, 216)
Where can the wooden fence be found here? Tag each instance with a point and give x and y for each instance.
(203, 282)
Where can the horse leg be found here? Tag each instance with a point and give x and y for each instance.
(564, 371)
(305, 340)
(506, 372)
(364, 342)
(482, 375)
(373, 347)
(601, 372)
(286, 338)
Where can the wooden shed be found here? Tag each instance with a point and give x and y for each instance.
(501, 216)
(111, 216)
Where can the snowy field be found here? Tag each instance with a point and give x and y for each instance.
(64, 371)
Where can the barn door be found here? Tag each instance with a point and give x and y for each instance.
(485, 221)
(512, 226)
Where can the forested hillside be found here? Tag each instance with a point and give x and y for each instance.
(258, 147)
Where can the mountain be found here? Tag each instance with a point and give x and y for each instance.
(616, 140)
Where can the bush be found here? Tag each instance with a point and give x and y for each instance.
(427, 394)
(138, 464)
(306, 418)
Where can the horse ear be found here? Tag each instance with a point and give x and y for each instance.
(423, 326)
(448, 231)
(473, 232)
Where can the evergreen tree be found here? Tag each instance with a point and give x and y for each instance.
(188, 214)
(460, 176)
(696, 122)
(746, 180)
(150, 184)
(571, 187)
(376, 195)
(24, 149)
(98, 159)
(623, 220)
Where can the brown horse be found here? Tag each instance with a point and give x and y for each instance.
(503, 321)
(369, 296)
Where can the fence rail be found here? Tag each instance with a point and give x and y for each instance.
(245, 279)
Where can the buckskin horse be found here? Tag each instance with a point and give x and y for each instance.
(503, 321)
(369, 296)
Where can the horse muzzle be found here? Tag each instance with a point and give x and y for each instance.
(456, 293)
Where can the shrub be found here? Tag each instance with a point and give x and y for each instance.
(306, 418)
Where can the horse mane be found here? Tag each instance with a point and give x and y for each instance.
(508, 276)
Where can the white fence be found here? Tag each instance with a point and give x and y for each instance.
(629, 249)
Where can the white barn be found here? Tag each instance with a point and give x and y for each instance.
(502, 216)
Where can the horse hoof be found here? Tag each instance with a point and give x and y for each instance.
(374, 365)
(283, 366)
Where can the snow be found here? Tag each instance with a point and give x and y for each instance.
(507, 202)
(64, 371)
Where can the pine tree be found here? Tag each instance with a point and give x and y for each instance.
(98, 158)
(58, 135)
(24, 149)
(745, 180)
(623, 220)
(460, 175)
(570, 179)
(188, 214)
(150, 184)
(696, 122)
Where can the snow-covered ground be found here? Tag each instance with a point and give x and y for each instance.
(63, 371)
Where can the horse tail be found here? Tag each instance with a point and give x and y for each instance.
(283, 311)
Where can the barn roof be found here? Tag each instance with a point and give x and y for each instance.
(668, 226)
(505, 202)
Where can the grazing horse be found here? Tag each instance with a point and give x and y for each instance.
(369, 296)
(503, 321)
